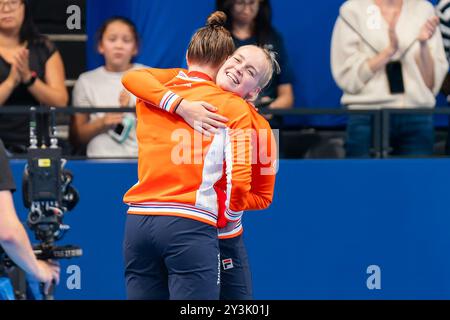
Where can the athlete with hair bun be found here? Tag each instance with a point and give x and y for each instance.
(244, 73)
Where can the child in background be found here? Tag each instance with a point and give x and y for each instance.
(108, 134)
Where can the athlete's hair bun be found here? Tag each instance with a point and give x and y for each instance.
(217, 19)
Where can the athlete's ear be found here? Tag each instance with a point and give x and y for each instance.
(252, 95)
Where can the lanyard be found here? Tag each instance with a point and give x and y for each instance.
(368, 43)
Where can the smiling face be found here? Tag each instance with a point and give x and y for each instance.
(119, 45)
(243, 72)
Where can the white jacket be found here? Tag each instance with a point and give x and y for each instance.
(364, 89)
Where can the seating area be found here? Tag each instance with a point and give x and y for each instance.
(299, 137)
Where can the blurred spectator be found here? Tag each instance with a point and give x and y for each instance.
(249, 22)
(110, 134)
(443, 12)
(388, 54)
(31, 72)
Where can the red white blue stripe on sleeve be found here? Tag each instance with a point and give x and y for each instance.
(232, 215)
(168, 100)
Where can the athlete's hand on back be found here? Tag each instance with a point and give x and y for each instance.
(201, 116)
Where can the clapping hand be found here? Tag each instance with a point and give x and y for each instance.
(22, 62)
(124, 98)
(428, 29)
(14, 75)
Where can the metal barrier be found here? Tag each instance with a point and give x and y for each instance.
(381, 117)
(386, 118)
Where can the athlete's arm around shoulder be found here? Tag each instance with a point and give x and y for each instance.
(148, 85)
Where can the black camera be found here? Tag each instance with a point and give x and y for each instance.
(47, 187)
(48, 194)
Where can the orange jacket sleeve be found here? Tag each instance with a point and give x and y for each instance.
(261, 193)
(238, 162)
(264, 171)
(148, 85)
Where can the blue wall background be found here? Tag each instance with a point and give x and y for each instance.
(166, 27)
(329, 221)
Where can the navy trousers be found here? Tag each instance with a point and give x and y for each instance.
(236, 279)
(171, 258)
(410, 135)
